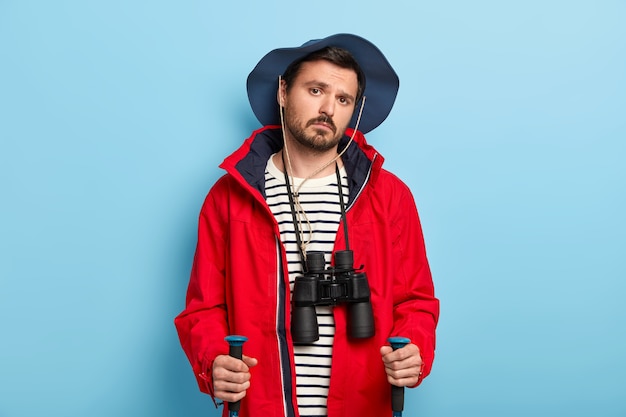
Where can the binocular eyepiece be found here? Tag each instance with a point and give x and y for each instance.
(320, 286)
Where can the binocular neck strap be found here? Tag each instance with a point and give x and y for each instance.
(343, 207)
(294, 215)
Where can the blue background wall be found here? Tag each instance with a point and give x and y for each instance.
(509, 127)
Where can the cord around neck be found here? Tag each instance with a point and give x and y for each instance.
(296, 209)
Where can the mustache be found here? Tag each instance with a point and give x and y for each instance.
(323, 119)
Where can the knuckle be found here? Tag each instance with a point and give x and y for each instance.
(220, 360)
(238, 366)
(219, 373)
(394, 374)
(239, 378)
(228, 396)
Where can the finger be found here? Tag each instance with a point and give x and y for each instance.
(228, 396)
(403, 382)
(230, 363)
(403, 373)
(410, 372)
(230, 387)
(250, 361)
(223, 374)
(404, 369)
(385, 350)
(411, 361)
(391, 356)
(405, 353)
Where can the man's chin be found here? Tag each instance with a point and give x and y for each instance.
(320, 143)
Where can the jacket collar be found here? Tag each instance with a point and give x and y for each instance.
(247, 164)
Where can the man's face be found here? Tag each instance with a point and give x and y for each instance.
(319, 104)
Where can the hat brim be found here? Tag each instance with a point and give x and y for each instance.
(381, 81)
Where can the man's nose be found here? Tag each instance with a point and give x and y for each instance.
(328, 106)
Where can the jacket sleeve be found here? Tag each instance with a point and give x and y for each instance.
(416, 310)
(203, 324)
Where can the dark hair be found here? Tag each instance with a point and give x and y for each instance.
(333, 54)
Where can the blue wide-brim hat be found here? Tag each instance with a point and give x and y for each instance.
(381, 81)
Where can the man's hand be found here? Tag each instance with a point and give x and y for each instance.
(231, 377)
(403, 366)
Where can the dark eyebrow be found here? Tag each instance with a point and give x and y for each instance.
(322, 84)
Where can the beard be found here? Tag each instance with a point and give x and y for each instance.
(320, 140)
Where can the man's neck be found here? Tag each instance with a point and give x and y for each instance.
(306, 164)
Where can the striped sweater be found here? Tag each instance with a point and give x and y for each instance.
(319, 199)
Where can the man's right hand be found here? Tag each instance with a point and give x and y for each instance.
(231, 377)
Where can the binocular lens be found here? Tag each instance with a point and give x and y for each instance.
(344, 259)
(305, 328)
(315, 262)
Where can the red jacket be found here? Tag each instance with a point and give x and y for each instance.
(238, 283)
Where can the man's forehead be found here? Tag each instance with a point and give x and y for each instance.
(322, 64)
(325, 72)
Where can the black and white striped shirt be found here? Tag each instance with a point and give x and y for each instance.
(319, 199)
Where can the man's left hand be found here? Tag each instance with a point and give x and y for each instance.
(403, 365)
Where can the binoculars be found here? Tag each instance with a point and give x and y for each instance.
(321, 286)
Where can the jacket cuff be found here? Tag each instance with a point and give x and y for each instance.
(205, 380)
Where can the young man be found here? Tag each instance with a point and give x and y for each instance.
(308, 181)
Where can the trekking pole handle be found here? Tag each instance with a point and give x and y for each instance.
(235, 343)
(397, 393)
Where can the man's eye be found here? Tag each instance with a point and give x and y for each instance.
(315, 91)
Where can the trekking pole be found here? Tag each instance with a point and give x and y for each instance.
(235, 350)
(397, 393)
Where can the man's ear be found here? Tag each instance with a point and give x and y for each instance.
(282, 92)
